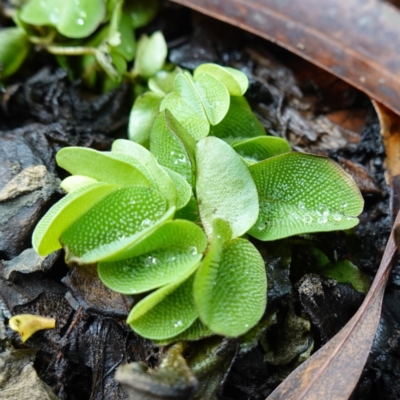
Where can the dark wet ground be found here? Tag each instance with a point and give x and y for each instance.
(315, 111)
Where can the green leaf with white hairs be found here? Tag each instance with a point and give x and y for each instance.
(143, 114)
(239, 123)
(234, 80)
(214, 96)
(128, 150)
(103, 167)
(230, 288)
(224, 187)
(162, 82)
(164, 256)
(185, 104)
(260, 148)
(115, 224)
(173, 147)
(73, 19)
(196, 331)
(301, 193)
(45, 238)
(197, 103)
(13, 50)
(75, 182)
(151, 53)
(141, 11)
(166, 312)
(183, 189)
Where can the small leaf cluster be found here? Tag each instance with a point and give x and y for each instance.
(100, 32)
(170, 212)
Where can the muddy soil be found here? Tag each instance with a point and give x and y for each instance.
(42, 110)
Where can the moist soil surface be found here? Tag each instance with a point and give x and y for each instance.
(42, 110)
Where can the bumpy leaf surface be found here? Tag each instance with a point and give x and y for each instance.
(214, 96)
(161, 258)
(142, 117)
(260, 148)
(183, 189)
(239, 123)
(156, 174)
(230, 288)
(185, 104)
(235, 81)
(172, 146)
(224, 187)
(114, 224)
(162, 82)
(45, 238)
(302, 193)
(166, 312)
(196, 331)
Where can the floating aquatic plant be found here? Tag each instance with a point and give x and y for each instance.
(170, 212)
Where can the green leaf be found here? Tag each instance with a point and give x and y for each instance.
(197, 103)
(144, 112)
(230, 288)
(150, 54)
(196, 331)
(111, 62)
(141, 11)
(161, 258)
(13, 50)
(74, 19)
(45, 238)
(76, 182)
(173, 147)
(239, 123)
(183, 189)
(260, 148)
(301, 193)
(100, 166)
(135, 153)
(344, 271)
(213, 94)
(115, 224)
(166, 312)
(185, 104)
(224, 187)
(127, 46)
(235, 80)
(162, 82)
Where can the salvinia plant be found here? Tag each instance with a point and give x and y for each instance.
(170, 213)
(93, 39)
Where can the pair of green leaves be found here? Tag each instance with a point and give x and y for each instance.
(130, 186)
(198, 102)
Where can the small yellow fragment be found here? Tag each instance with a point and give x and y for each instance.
(27, 324)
